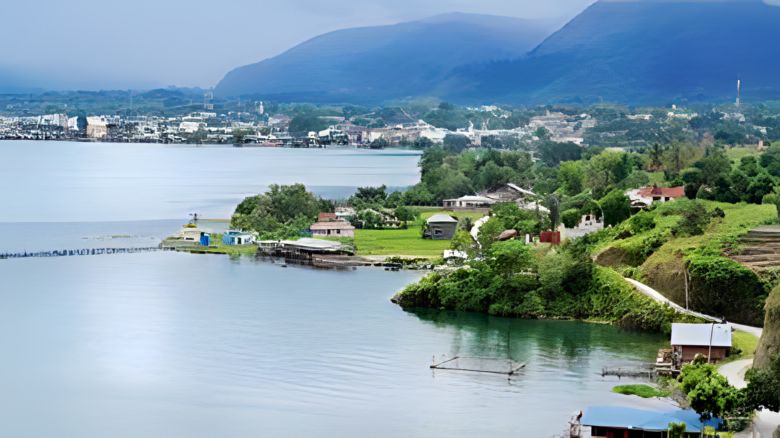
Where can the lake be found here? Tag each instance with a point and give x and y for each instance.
(181, 345)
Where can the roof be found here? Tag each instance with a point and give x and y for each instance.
(699, 334)
(307, 243)
(323, 217)
(332, 225)
(639, 419)
(473, 198)
(441, 218)
(236, 233)
(521, 190)
(670, 192)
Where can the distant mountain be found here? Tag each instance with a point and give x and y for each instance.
(641, 51)
(384, 62)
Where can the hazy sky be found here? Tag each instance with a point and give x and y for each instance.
(148, 43)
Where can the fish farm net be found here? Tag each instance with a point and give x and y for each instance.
(479, 365)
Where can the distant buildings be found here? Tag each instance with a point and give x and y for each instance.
(645, 196)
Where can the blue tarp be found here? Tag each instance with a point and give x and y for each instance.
(640, 419)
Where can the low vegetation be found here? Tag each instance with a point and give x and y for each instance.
(641, 390)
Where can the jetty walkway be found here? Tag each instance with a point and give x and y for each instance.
(80, 252)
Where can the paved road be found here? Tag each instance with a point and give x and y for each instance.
(657, 296)
(765, 422)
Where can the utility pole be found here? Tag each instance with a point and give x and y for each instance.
(709, 351)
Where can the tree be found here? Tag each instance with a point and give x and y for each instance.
(655, 154)
(281, 212)
(370, 195)
(510, 257)
(552, 153)
(379, 143)
(406, 214)
(571, 175)
(763, 390)
(616, 207)
(488, 233)
(456, 143)
(709, 392)
(677, 430)
(607, 169)
(571, 218)
(305, 123)
(554, 205)
(694, 220)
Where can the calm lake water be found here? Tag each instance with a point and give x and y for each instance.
(98, 182)
(180, 345)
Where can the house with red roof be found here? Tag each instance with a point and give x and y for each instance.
(643, 197)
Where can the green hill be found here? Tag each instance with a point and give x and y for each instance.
(655, 247)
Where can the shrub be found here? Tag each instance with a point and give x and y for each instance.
(571, 218)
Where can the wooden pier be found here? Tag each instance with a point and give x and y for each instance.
(79, 252)
(628, 372)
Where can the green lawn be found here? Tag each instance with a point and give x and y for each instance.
(644, 391)
(406, 242)
(743, 346)
(736, 153)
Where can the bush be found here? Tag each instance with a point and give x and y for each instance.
(722, 287)
(571, 218)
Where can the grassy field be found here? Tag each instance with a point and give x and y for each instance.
(644, 391)
(735, 154)
(406, 242)
(745, 344)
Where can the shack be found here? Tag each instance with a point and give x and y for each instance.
(625, 422)
(237, 238)
(712, 341)
(440, 227)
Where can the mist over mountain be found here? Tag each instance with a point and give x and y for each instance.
(385, 62)
(648, 51)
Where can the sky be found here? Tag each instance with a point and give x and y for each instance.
(110, 44)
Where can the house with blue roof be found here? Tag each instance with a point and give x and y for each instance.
(625, 422)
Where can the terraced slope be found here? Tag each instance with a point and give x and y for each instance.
(760, 249)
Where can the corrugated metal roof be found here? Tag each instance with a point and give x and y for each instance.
(699, 334)
(439, 218)
(639, 419)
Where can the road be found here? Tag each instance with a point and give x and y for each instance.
(657, 296)
(765, 422)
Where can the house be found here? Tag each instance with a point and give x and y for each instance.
(440, 227)
(332, 228)
(192, 234)
(237, 238)
(327, 217)
(525, 199)
(589, 223)
(510, 193)
(625, 422)
(345, 213)
(709, 340)
(469, 202)
(643, 197)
